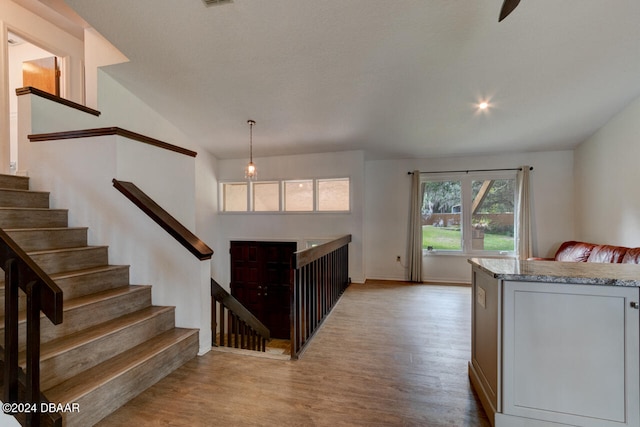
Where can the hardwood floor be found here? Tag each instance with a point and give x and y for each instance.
(390, 354)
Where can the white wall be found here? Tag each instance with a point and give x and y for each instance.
(386, 210)
(79, 173)
(295, 226)
(98, 52)
(48, 36)
(606, 177)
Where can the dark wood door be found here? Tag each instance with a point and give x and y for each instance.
(261, 276)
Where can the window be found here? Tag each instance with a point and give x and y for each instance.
(441, 216)
(298, 195)
(234, 196)
(301, 195)
(333, 194)
(469, 213)
(492, 214)
(266, 196)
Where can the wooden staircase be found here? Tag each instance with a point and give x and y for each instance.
(113, 343)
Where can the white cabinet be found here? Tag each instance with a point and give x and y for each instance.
(555, 354)
(570, 354)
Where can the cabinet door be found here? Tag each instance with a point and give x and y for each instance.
(571, 354)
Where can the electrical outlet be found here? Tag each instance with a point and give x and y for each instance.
(398, 258)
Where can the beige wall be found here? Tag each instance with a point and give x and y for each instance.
(607, 177)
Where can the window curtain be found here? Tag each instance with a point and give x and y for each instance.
(525, 239)
(414, 249)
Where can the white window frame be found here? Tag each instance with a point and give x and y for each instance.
(222, 202)
(466, 179)
(250, 208)
(317, 194)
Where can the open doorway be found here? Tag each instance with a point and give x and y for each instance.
(29, 65)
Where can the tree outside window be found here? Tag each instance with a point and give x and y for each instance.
(468, 214)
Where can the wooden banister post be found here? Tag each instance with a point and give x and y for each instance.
(33, 352)
(10, 394)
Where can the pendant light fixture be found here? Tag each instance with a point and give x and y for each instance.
(250, 171)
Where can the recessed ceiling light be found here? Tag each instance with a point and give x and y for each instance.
(483, 105)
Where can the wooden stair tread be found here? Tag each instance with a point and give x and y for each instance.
(67, 342)
(74, 388)
(76, 273)
(88, 299)
(85, 271)
(16, 229)
(9, 208)
(99, 296)
(14, 181)
(23, 191)
(61, 250)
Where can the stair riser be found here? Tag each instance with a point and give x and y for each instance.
(14, 182)
(88, 315)
(23, 199)
(22, 302)
(69, 260)
(55, 370)
(42, 240)
(110, 396)
(24, 218)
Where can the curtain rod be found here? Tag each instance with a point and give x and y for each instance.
(475, 170)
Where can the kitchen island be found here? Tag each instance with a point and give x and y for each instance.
(556, 343)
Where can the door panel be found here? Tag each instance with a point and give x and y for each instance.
(261, 277)
(42, 74)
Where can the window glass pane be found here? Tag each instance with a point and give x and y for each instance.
(298, 195)
(333, 194)
(441, 215)
(492, 214)
(266, 196)
(235, 197)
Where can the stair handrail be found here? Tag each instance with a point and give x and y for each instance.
(43, 295)
(171, 225)
(321, 276)
(308, 255)
(232, 304)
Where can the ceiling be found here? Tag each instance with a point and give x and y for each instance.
(395, 78)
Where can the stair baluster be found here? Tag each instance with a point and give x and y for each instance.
(43, 295)
(321, 276)
(237, 327)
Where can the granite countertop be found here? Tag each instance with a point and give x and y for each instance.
(584, 273)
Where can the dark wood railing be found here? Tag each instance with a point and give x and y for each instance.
(96, 132)
(321, 276)
(171, 225)
(238, 327)
(22, 391)
(29, 90)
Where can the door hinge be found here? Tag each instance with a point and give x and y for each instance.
(635, 305)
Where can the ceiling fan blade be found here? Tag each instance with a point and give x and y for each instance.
(507, 8)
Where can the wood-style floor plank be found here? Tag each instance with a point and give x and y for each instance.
(390, 354)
